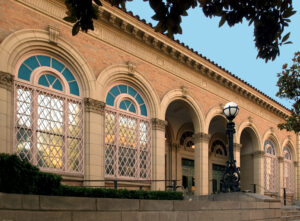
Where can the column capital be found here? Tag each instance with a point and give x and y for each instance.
(200, 137)
(158, 124)
(6, 80)
(259, 153)
(95, 106)
(237, 146)
(296, 163)
(280, 159)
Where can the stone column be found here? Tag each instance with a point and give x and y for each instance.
(258, 167)
(201, 163)
(280, 177)
(94, 141)
(158, 153)
(295, 180)
(6, 112)
(298, 165)
(237, 153)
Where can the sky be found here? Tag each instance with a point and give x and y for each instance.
(232, 48)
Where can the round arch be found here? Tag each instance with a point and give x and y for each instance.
(26, 41)
(269, 134)
(195, 110)
(289, 143)
(247, 124)
(212, 113)
(123, 73)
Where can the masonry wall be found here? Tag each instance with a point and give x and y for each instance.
(15, 207)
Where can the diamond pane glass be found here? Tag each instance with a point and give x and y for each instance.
(127, 149)
(49, 129)
(271, 168)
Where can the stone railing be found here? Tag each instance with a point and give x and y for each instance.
(15, 207)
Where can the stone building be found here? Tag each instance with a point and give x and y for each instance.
(125, 103)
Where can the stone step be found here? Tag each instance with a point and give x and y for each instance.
(290, 218)
(290, 213)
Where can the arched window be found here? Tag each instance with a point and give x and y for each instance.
(288, 170)
(271, 167)
(218, 147)
(48, 115)
(127, 135)
(186, 140)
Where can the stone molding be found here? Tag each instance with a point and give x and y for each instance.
(259, 153)
(95, 106)
(114, 17)
(158, 124)
(201, 137)
(6, 80)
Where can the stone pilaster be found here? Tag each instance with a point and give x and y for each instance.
(280, 177)
(201, 141)
(298, 166)
(158, 153)
(237, 153)
(94, 136)
(258, 166)
(6, 112)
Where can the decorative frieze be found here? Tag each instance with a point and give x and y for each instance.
(158, 124)
(6, 80)
(201, 137)
(92, 105)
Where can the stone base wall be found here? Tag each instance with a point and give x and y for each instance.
(16, 207)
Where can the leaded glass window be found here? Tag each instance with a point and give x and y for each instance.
(288, 170)
(271, 167)
(127, 135)
(48, 117)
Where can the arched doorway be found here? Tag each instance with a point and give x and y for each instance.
(217, 152)
(180, 145)
(249, 144)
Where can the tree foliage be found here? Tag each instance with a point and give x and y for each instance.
(269, 17)
(289, 87)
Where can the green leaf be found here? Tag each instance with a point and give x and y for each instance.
(98, 2)
(288, 42)
(76, 28)
(222, 21)
(70, 19)
(286, 37)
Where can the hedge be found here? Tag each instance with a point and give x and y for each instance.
(19, 176)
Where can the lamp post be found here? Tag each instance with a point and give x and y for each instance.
(231, 177)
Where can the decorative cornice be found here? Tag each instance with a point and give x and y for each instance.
(201, 137)
(6, 80)
(144, 33)
(158, 124)
(259, 153)
(92, 105)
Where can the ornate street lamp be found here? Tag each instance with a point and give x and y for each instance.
(231, 177)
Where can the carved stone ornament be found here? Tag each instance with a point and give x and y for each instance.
(280, 159)
(158, 124)
(295, 163)
(259, 153)
(53, 34)
(201, 137)
(184, 91)
(237, 146)
(92, 105)
(131, 67)
(6, 80)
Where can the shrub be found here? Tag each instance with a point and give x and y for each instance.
(19, 176)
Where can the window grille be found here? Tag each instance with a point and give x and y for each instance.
(48, 119)
(271, 168)
(288, 171)
(127, 135)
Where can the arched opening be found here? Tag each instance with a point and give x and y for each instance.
(180, 145)
(249, 144)
(217, 152)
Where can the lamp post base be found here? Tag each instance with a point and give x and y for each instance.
(231, 178)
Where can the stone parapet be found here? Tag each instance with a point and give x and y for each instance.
(243, 207)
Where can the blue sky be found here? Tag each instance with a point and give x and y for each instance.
(232, 48)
